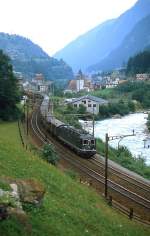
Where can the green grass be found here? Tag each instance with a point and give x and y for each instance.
(68, 208)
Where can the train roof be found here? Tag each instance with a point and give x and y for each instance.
(54, 121)
(79, 131)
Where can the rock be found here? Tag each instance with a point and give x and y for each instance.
(9, 200)
(14, 193)
(117, 116)
(31, 191)
(3, 212)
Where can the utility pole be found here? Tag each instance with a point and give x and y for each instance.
(93, 122)
(27, 118)
(52, 94)
(93, 125)
(107, 139)
(106, 163)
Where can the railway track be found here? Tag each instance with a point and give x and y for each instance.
(121, 177)
(123, 188)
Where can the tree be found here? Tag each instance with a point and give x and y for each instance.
(9, 93)
(82, 109)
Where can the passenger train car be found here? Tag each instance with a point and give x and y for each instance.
(79, 141)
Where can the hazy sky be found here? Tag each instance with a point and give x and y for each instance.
(54, 23)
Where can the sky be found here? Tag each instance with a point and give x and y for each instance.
(52, 24)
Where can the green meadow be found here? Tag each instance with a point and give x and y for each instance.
(69, 208)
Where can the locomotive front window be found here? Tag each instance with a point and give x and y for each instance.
(85, 142)
(93, 141)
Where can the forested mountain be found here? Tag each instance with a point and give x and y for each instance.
(97, 44)
(140, 63)
(30, 59)
(137, 40)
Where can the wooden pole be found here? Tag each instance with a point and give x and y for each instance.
(106, 163)
(27, 117)
(93, 122)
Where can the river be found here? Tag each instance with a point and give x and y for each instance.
(125, 126)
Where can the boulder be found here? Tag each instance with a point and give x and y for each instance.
(14, 193)
(8, 201)
(117, 116)
(31, 191)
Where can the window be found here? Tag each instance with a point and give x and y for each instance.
(92, 141)
(75, 105)
(89, 105)
(84, 101)
(94, 105)
(85, 142)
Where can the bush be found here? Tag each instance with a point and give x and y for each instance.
(49, 154)
(119, 107)
(72, 174)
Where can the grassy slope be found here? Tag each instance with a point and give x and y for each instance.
(68, 208)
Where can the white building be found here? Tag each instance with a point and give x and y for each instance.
(91, 103)
(80, 84)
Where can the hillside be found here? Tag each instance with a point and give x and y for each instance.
(69, 208)
(137, 40)
(139, 64)
(30, 59)
(96, 44)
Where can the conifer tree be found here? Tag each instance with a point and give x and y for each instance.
(9, 93)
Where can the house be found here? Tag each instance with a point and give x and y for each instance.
(143, 77)
(38, 84)
(72, 86)
(100, 82)
(112, 83)
(91, 103)
(39, 77)
(80, 83)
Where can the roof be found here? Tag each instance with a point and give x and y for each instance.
(93, 98)
(39, 77)
(72, 85)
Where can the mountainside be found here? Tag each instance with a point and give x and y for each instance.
(30, 59)
(96, 44)
(77, 52)
(137, 40)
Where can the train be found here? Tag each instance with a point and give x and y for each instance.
(80, 141)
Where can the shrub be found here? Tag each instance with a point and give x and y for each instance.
(49, 154)
(72, 174)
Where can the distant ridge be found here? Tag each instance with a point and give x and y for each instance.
(137, 40)
(29, 59)
(99, 42)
